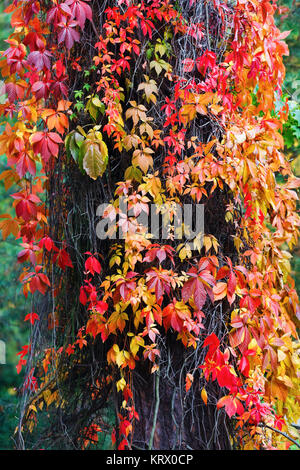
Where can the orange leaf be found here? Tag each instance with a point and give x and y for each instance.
(220, 290)
(8, 226)
(188, 381)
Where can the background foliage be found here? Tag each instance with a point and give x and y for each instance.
(290, 22)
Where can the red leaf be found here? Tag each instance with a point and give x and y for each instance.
(24, 164)
(194, 288)
(63, 259)
(40, 89)
(159, 280)
(100, 306)
(212, 341)
(46, 242)
(188, 64)
(123, 444)
(68, 33)
(232, 405)
(38, 281)
(92, 265)
(200, 284)
(81, 11)
(174, 316)
(225, 377)
(26, 207)
(46, 143)
(31, 317)
(70, 349)
(40, 59)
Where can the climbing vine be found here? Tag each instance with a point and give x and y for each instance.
(152, 103)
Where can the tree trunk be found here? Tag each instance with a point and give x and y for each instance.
(168, 417)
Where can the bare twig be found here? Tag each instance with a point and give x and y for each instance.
(157, 399)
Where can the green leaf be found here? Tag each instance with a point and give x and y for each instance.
(79, 105)
(133, 173)
(78, 94)
(94, 106)
(96, 102)
(73, 142)
(87, 86)
(94, 157)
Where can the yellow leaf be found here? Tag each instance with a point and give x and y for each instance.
(207, 242)
(187, 113)
(204, 395)
(121, 384)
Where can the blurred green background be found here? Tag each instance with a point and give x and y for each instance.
(13, 306)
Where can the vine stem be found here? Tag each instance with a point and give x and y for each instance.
(157, 400)
(207, 25)
(282, 433)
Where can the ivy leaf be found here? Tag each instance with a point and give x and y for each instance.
(40, 59)
(94, 106)
(68, 33)
(63, 259)
(232, 405)
(8, 226)
(143, 159)
(46, 143)
(133, 173)
(31, 317)
(158, 65)
(38, 282)
(92, 265)
(199, 285)
(95, 159)
(174, 315)
(80, 10)
(136, 113)
(189, 379)
(150, 89)
(160, 281)
(73, 143)
(94, 154)
(26, 205)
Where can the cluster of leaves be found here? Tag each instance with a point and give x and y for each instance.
(14, 331)
(155, 288)
(32, 69)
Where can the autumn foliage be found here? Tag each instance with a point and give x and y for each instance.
(144, 136)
